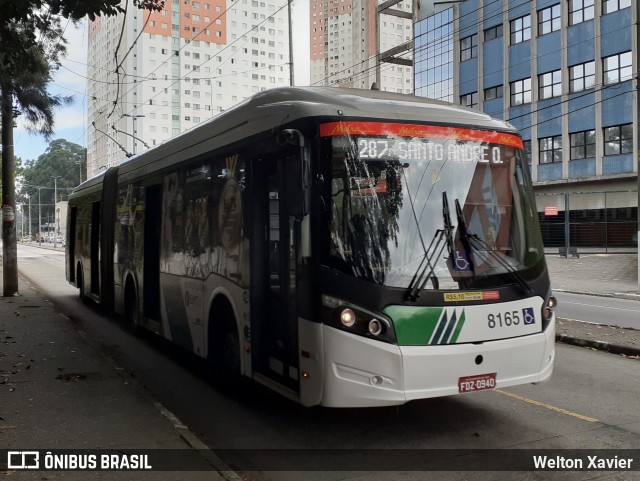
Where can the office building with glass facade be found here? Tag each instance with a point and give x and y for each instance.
(563, 73)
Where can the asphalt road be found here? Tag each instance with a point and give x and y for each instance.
(590, 403)
(599, 310)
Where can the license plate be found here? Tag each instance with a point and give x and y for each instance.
(477, 383)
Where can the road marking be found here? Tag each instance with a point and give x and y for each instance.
(597, 305)
(548, 406)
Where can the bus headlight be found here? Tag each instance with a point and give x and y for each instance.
(375, 327)
(348, 317)
(548, 308)
(357, 320)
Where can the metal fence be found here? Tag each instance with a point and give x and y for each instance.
(596, 222)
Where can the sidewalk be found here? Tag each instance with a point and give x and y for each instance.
(57, 392)
(613, 275)
(598, 274)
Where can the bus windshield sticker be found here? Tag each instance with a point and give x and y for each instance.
(471, 296)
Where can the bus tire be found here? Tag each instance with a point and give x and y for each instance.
(132, 310)
(230, 367)
(224, 345)
(80, 283)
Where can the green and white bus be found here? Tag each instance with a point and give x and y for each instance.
(344, 247)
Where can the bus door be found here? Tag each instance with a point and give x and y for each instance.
(274, 322)
(152, 236)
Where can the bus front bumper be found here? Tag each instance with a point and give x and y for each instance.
(361, 372)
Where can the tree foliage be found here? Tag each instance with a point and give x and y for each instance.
(28, 81)
(62, 159)
(18, 10)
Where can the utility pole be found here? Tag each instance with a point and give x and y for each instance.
(79, 162)
(39, 215)
(9, 243)
(30, 238)
(635, 15)
(291, 77)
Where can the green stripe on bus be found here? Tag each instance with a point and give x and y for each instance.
(424, 326)
(414, 326)
(456, 333)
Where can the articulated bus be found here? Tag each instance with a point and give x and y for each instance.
(343, 247)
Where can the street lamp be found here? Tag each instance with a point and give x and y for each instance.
(55, 208)
(134, 117)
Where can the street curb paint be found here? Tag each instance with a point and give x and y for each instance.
(599, 345)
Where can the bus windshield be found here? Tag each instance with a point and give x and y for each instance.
(402, 196)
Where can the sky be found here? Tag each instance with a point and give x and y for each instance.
(71, 121)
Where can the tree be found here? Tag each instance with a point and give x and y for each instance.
(31, 46)
(63, 160)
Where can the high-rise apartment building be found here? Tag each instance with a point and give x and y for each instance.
(153, 76)
(564, 72)
(344, 44)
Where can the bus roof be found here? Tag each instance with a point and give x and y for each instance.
(279, 106)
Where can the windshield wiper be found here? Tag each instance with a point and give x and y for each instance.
(426, 268)
(448, 228)
(471, 241)
(441, 239)
(464, 237)
(513, 273)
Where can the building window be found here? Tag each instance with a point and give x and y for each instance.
(493, 93)
(580, 11)
(520, 29)
(469, 47)
(469, 100)
(582, 76)
(583, 144)
(617, 68)
(618, 139)
(521, 92)
(549, 19)
(609, 6)
(493, 33)
(527, 150)
(550, 85)
(550, 149)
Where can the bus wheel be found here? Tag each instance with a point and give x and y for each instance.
(224, 348)
(131, 310)
(80, 284)
(230, 355)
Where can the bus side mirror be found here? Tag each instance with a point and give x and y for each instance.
(296, 174)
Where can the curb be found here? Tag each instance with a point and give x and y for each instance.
(599, 345)
(618, 295)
